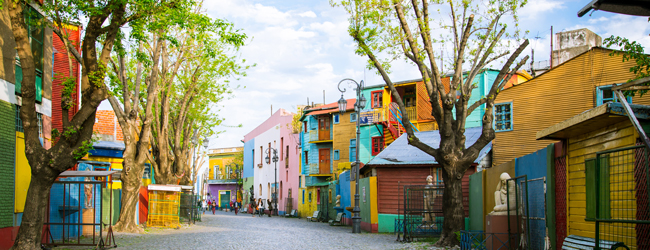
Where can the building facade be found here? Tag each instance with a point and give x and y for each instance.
(223, 174)
(267, 177)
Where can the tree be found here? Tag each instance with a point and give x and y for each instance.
(632, 50)
(191, 85)
(404, 29)
(104, 21)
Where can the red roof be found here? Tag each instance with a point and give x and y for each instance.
(331, 108)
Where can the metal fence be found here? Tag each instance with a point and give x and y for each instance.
(483, 241)
(537, 211)
(189, 208)
(621, 206)
(422, 215)
(521, 228)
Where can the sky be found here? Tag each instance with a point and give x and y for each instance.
(301, 49)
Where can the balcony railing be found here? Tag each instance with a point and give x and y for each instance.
(412, 113)
(384, 114)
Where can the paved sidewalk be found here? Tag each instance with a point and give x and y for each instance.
(227, 231)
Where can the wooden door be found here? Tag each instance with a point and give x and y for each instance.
(323, 128)
(324, 161)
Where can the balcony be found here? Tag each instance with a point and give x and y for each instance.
(315, 170)
(314, 137)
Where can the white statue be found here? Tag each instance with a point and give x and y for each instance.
(338, 200)
(505, 198)
(429, 200)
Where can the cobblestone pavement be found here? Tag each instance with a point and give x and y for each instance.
(227, 231)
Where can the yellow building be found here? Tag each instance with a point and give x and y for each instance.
(601, 156)
(223, 175)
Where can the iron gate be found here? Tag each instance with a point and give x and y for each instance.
(422, 211)
(537, 214)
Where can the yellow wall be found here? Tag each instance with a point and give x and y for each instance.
(221, 162)
(307, 209)
(556, 95)
(373, 199)
(343, 132)
(584, 147)
(23, 174)
(116, 164)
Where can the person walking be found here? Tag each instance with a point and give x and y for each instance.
(214, 206)
(253, 207)
(260, 207)
(236, 207)
(209, 205)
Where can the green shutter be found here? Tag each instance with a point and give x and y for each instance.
(39, 87)
(603, 185)
(19, 77)
(604, 206)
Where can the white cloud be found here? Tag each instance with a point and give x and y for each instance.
(308, 14)
(535, 9)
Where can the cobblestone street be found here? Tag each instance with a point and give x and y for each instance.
(227, 231)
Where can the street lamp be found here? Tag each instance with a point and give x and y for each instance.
(358, 106)
(275, 160)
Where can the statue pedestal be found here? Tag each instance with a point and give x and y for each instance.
(498, 226)
(339, 209)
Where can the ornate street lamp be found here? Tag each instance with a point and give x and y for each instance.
(275, 160)
(358, 106)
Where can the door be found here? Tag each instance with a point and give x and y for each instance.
(323, 128)
(324, 161)
(224, 199)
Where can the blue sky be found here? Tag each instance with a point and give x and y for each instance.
(301, 47)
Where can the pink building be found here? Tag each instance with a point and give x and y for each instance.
(277, 133)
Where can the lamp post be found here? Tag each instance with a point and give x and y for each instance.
(358, 106)
(275, 160)
(235, 166)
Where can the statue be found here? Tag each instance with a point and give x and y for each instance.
(338, 201)
(429, 200)
(88, 191)
(504, 197)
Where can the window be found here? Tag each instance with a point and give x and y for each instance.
(310, 197)
(336, 118)
(353, 117)
(353, 150)
(336, 155)
(300, 183)
(19, 122)
(329, 195)
(305, 126)
(605, 95)
(503, 117)
(318, 196)
(603, 184)
(281, 148)
(261, 156)
(377, 98)
(36, 38)
(303, 196)
(306, 157)
(215, 171)
(377, 145)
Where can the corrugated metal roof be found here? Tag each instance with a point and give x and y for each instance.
(401, 153)
(109, 145)
(331, 108)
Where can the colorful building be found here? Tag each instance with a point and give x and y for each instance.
(566, 90)
(599, 153)
(15, 173)
(223, 174)
(402, 164)
(275, 132)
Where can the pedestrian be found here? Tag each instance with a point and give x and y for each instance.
(260, 206)
(236, 207)
(200, 207)
(270, 205)
(254, 207)
(231, 207)
(214, 206)
(209, 205)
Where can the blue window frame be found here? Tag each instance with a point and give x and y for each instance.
(303, 196)
(336, 119)
(336, 155)
(604, 94)
(503, 117)
(353, 150)
(353, 117)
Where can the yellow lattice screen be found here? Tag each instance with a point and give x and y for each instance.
(164, 207)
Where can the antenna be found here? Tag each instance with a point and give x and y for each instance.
(532, 55)
(551, 63)
(323, 97)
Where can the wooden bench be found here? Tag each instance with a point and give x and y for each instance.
(337, 221)
(314, 216)
(578, 242)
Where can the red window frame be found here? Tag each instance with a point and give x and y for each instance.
(377, 145)
(376, 102)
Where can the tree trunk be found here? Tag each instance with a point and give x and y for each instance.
(131, 182)
(453, 212)
(31, 229)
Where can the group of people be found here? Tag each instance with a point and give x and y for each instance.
(258, 207)
(212, 205)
